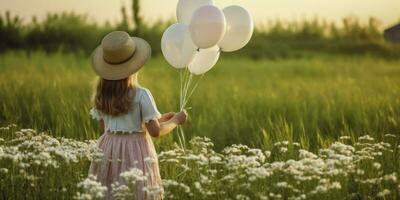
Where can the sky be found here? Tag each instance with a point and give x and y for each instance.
(388, 11)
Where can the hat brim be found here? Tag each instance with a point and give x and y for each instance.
(123, 70)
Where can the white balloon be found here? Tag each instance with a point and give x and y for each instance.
(207, 26)
(204, 60)
(186, 8)
(177, 46)
(239, 28)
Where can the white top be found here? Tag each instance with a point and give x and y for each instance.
(143, 110)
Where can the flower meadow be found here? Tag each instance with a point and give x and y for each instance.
(37, 166)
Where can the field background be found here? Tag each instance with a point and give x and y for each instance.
(270, 105)
(311, 100)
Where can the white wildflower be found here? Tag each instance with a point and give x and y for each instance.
(383, 193)
(91, 189)
(366, 138)
(345, 137)
(267, 153)
(377, 165)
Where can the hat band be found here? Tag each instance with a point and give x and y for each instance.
(118, 63)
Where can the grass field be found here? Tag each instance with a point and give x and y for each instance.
(310, 100)
(279, 106)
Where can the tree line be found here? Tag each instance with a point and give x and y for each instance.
(71, 32)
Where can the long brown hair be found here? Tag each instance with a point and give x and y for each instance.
(114, 97)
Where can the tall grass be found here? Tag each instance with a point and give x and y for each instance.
(312, 101)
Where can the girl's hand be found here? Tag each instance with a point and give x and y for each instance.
(180, 117)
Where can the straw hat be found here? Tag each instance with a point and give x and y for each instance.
(120, 55)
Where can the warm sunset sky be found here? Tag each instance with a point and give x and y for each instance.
(101, 10)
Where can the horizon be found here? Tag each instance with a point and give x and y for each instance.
(262, 12)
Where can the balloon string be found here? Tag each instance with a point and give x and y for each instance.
(180, 137)
(185, 80)
(186, 89)
(179, 128)
(183, 138)
(180, 89)
(180, 132)
(186, 97)
(193, 90)
(186, 93)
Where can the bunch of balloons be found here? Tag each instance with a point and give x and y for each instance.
(202, 31)
(193, 45)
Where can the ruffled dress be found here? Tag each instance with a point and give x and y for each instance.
(126, 145)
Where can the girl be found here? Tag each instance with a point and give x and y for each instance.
(127, 113)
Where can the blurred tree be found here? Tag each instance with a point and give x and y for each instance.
(69, 32)
(76, 33)
(137, 19)
(124, 24)
(11, 31)
(373, 30)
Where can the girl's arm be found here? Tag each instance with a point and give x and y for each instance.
(166, 116)
(158, 129)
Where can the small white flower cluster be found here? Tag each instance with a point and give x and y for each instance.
(29, 150)
(241, 172)
(174, 187)
(126, 189)
(351, 168)
(91, 189)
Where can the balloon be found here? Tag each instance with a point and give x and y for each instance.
(177, 46)
(204, 60)
(239, 28)
(207, 26)
(186, 8)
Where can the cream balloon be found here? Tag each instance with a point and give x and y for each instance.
(186, 8)
(177, 46)
(207, 26)
(204, 60)
(239, 28)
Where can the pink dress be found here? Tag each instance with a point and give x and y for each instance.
(123, 152)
